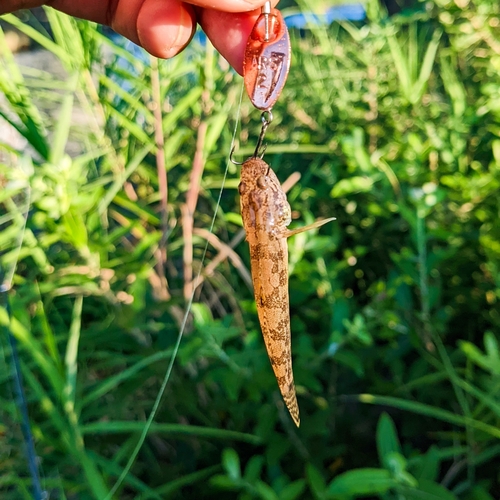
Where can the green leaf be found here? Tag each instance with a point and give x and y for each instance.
(71, 357)
(427, 65)
(479, 493)
(68, 36)
(202, 315)
(396, 464)
(426, 490)
(38, 37)
(187, 480)
(231, 463)
(223, 482)
(27, 118)
(110, 383)
(265, 491)
(430, 411)
(130, 98)
(171, 119)
(33, 347)
(387, 439)
(293, 490)
(129, 125)
(361, 482)
(122, 176)
(76, 230)
(118, 427)
(491, 346)
(60, 136)
(428, 467)
(253, 468)
(345, 187)
(491, 364)
(351, 360)
(316, 481)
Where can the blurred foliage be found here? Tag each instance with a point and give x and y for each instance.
(394, 125)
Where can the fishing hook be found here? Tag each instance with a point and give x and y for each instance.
(232, 160)
(266, 118)
(260, 149)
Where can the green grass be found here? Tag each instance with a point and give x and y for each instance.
(394, 126)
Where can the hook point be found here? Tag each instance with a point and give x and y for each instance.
(231, 158)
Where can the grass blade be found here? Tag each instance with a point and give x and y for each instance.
(428, 411)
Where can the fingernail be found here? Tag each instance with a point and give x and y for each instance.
(254, 3)
(183, 36)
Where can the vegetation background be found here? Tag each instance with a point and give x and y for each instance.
(118, 165)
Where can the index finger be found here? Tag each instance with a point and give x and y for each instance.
(228, 5)
(229, 31)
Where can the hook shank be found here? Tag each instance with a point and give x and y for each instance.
(266, 118)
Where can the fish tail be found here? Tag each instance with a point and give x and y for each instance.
(290, 398)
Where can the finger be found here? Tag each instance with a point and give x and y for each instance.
(99, 11)
(229, 32)
(162, 27)
(11, 5)
(164, 30)
(229, 5)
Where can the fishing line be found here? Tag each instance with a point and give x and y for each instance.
(166, 378)
(6, 279)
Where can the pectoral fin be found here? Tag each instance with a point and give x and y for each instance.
(314, 225)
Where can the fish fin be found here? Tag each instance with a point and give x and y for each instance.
(314, 225)
(290, 399)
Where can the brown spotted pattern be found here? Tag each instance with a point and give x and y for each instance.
(266, 215)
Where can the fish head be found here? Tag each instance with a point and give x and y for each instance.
(262, 198)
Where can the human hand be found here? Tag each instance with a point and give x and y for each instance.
(165, 27)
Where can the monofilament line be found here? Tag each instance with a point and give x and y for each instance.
(7, 278)
(166, 378)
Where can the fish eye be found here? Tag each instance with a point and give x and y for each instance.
(242, 188)
(284, 215)
(262, 182)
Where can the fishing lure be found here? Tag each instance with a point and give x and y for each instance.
(267, 58)
(265, 210)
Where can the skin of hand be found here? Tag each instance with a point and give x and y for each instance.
(165, 27)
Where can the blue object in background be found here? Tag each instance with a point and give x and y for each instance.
(347, 12)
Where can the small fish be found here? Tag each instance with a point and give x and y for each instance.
(266, 215)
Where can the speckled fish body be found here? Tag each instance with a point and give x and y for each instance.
(266, 215)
